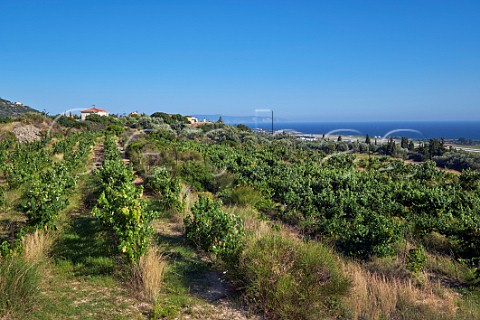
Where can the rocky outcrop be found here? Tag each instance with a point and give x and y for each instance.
(27, 133)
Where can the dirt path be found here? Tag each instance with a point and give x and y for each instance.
(211, 296)
(138, 180)
(98, 155)
(191, 277)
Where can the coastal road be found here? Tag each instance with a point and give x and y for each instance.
(467, 149)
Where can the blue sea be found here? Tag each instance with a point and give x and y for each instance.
(410, 129)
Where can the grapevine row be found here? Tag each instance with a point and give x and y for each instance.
(48, 185)
(120, 205)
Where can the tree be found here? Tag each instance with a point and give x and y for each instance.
(391, 148)
(367, 139)
(404, 143)
(436, 147)
(339, 138)
(220, 120)
(243, 127)
(411, 146)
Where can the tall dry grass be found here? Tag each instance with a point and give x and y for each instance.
(254, 227)
(374, 296)
(189, 197)
(148, 274)
(36, 246)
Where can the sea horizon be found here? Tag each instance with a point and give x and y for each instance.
(415, 129)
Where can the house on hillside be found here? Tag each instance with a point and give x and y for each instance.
(192, 120)
(93, 110)
(134, 113)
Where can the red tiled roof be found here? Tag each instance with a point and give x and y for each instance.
(93, 110)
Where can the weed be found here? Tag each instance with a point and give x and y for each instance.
(148, 273)
(35, 246)
(19, 281)
(291, 279)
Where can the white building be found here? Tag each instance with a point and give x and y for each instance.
(192, 120)
(93, 110)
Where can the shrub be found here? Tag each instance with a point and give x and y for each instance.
(6, 119)
(115, 129)
(215, 231)
(416, 259)
(71, 123)
(245, 196)
(290, 279)
(166, 187)
(19, 282)
(197, 175)
(367, 234)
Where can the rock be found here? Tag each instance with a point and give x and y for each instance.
(27, 133)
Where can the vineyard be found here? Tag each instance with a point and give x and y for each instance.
(298, 229)
(43, 181)
(365, 209)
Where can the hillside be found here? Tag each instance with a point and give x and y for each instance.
(11, 109)
(114, 221)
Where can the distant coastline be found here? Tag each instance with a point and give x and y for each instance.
(411, 129)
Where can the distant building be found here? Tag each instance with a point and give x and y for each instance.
(18, 103)
(134, 113)
(192, 120)
(93, 110)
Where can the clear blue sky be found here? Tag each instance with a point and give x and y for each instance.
(311, 60)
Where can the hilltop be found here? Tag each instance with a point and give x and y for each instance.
(12, 109)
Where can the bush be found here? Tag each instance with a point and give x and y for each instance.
(290, 279)
(70, 122)
(197, 175)
(416, 259)
(368, 233)
(167, 188)
(19, 282)
(215, 231)
(245, 196)
(115, 129)
(6, 119)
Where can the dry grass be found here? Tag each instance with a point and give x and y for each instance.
(375, 296)
(188, 197)
(445, 267)
(36, 246)
(255, 227)
(148, 274)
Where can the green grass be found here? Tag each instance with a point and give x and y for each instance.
(19, 284)
(184, 269)
(86, 248)
(470, 303)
